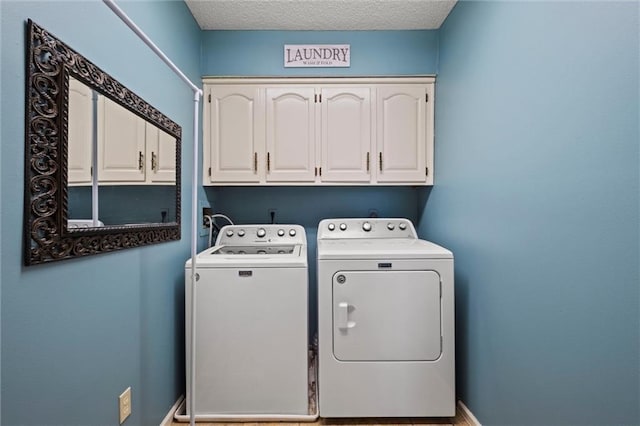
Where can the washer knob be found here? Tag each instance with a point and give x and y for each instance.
(343, 226)
(261, 233)
(331, 227)
(366, 227)
(292, 232)
(281, 232)
(241, 233)
(391, 226)
(229, 233)
(402, 226)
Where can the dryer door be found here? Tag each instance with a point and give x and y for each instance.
(386, 316)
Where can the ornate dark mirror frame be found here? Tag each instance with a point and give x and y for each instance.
(50, 62)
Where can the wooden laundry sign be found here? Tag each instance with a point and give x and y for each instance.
(317, 55)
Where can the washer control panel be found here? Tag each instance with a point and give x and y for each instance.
(366, 228)
(257, 234)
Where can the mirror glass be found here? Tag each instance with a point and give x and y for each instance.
(102, 165)
(134, 164)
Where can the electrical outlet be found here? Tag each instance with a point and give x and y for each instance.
(125, 404)
(206, 211)
(202, 204)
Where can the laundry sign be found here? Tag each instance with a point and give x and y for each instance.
(317, 55)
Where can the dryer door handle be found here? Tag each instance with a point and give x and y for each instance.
(343, 316)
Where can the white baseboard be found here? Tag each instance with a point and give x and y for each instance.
(468, 415)
(168, 419)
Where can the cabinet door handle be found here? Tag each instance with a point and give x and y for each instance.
(380, 162)
(255, 162)
(368, 160)
(268, 162)
(140, 160)
(154, 161)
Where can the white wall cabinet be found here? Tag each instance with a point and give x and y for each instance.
(234, 127)
(401, 128)
(291, 134)
(346, 134)
(332, 131)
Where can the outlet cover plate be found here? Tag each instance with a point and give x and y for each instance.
(125, 404)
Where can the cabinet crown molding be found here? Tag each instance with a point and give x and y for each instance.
(413, 79)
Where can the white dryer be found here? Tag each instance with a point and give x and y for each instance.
(251, 341)
(386, 321)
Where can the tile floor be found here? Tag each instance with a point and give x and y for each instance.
(458, 420)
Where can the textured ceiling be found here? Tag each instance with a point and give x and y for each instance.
(320, 14)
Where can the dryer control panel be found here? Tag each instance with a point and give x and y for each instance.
(366, 228)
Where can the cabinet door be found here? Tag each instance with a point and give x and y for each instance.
(401, 133)
(346, 134)
(121, 144)
(290, 134)
(80, 132)
(161, 156)
(233, 134)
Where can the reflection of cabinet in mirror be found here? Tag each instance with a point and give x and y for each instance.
(131, 149)
(80, 132)
(121, 144)
(161, 156)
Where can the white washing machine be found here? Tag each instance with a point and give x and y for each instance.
(386, 321)
(251, 323)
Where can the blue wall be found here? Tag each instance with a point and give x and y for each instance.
(537, 194)
(260, 53)
(75, 334)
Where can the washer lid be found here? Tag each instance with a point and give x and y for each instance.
(392, 248)
(265, 256)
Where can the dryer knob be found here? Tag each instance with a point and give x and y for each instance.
(343, 226)
(391, 226)
(229, 233)
(402, 226)
(281, 232)
(241, 233)
(331, 227)
(366, 227)
(261, 233)
(292, 232)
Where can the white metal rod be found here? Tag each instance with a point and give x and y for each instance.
(197, 92)
(194, 235)
(95, 214)
(150, 43)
